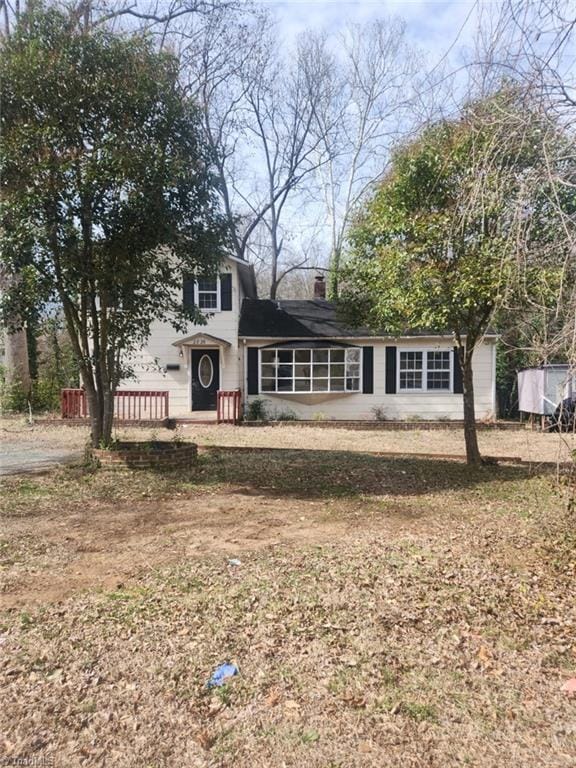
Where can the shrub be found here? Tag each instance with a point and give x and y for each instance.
(56, 369)
(13, 397)
(256, 410)
(43, 396)
(287, 415)
(379, 413)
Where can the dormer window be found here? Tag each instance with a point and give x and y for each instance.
(207, 294)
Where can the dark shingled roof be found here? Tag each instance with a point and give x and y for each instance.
(293, 319)
(314, 318)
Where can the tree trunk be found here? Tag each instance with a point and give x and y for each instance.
(473, 457)
(101, 413)
(94, 414)
(101, 408)
(274, 269)
(32, 332)
(107, 417)
(334, 275)
(17, 364)
(57, 354)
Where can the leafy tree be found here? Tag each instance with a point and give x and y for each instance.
(56, 368)
(106, 182)
(463, 210)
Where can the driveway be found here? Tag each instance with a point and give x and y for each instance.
(17, 457)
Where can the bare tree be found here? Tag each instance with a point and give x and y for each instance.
(312, 131)
(260, 114)
(371, 74)
(215, 53)
(529, 44)
(158, 17)
(533, 44)
(539, 38)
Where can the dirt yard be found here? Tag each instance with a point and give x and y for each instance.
(525, 444)
(384, 611)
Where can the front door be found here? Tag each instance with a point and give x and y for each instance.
(205, 379)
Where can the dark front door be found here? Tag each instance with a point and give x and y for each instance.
(205, 379)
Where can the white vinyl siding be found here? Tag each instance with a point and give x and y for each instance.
(431, 404)
(150, 362)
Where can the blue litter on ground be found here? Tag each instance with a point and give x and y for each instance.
(221, 674)
(234, 561)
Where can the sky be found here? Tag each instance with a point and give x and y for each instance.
(438, 28)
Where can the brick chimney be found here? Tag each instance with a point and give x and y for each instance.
(319, 287)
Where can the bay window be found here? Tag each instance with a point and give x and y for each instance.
(331, 369)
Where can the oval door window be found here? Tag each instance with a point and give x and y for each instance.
(205, 371)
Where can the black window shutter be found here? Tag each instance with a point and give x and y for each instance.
(252, 370)
(457, 384)
(188, 292)
(226, 292)
(390, 370)
(368, 370)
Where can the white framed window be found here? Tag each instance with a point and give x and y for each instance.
(421, 370)
(411, 370)
(292, 371)
(439, 370)
(207, 294)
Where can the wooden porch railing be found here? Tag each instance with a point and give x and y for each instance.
(229, 404)
(73, 404)
(129, 405)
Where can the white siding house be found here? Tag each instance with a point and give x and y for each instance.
(405, 403)
(301, 359)
(169, 361)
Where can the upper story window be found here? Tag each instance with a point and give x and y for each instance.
(424, 370)
(310, 370)
(207, 294)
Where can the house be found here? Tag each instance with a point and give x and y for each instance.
(301, 359)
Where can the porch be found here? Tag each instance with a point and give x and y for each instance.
(152, 406)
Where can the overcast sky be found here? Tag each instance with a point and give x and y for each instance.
(441, 31)
(434, 27)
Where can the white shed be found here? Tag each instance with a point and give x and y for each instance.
(540, 390)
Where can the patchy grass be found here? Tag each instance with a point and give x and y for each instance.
(529, 445)
(385, 613)
(294, 473)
